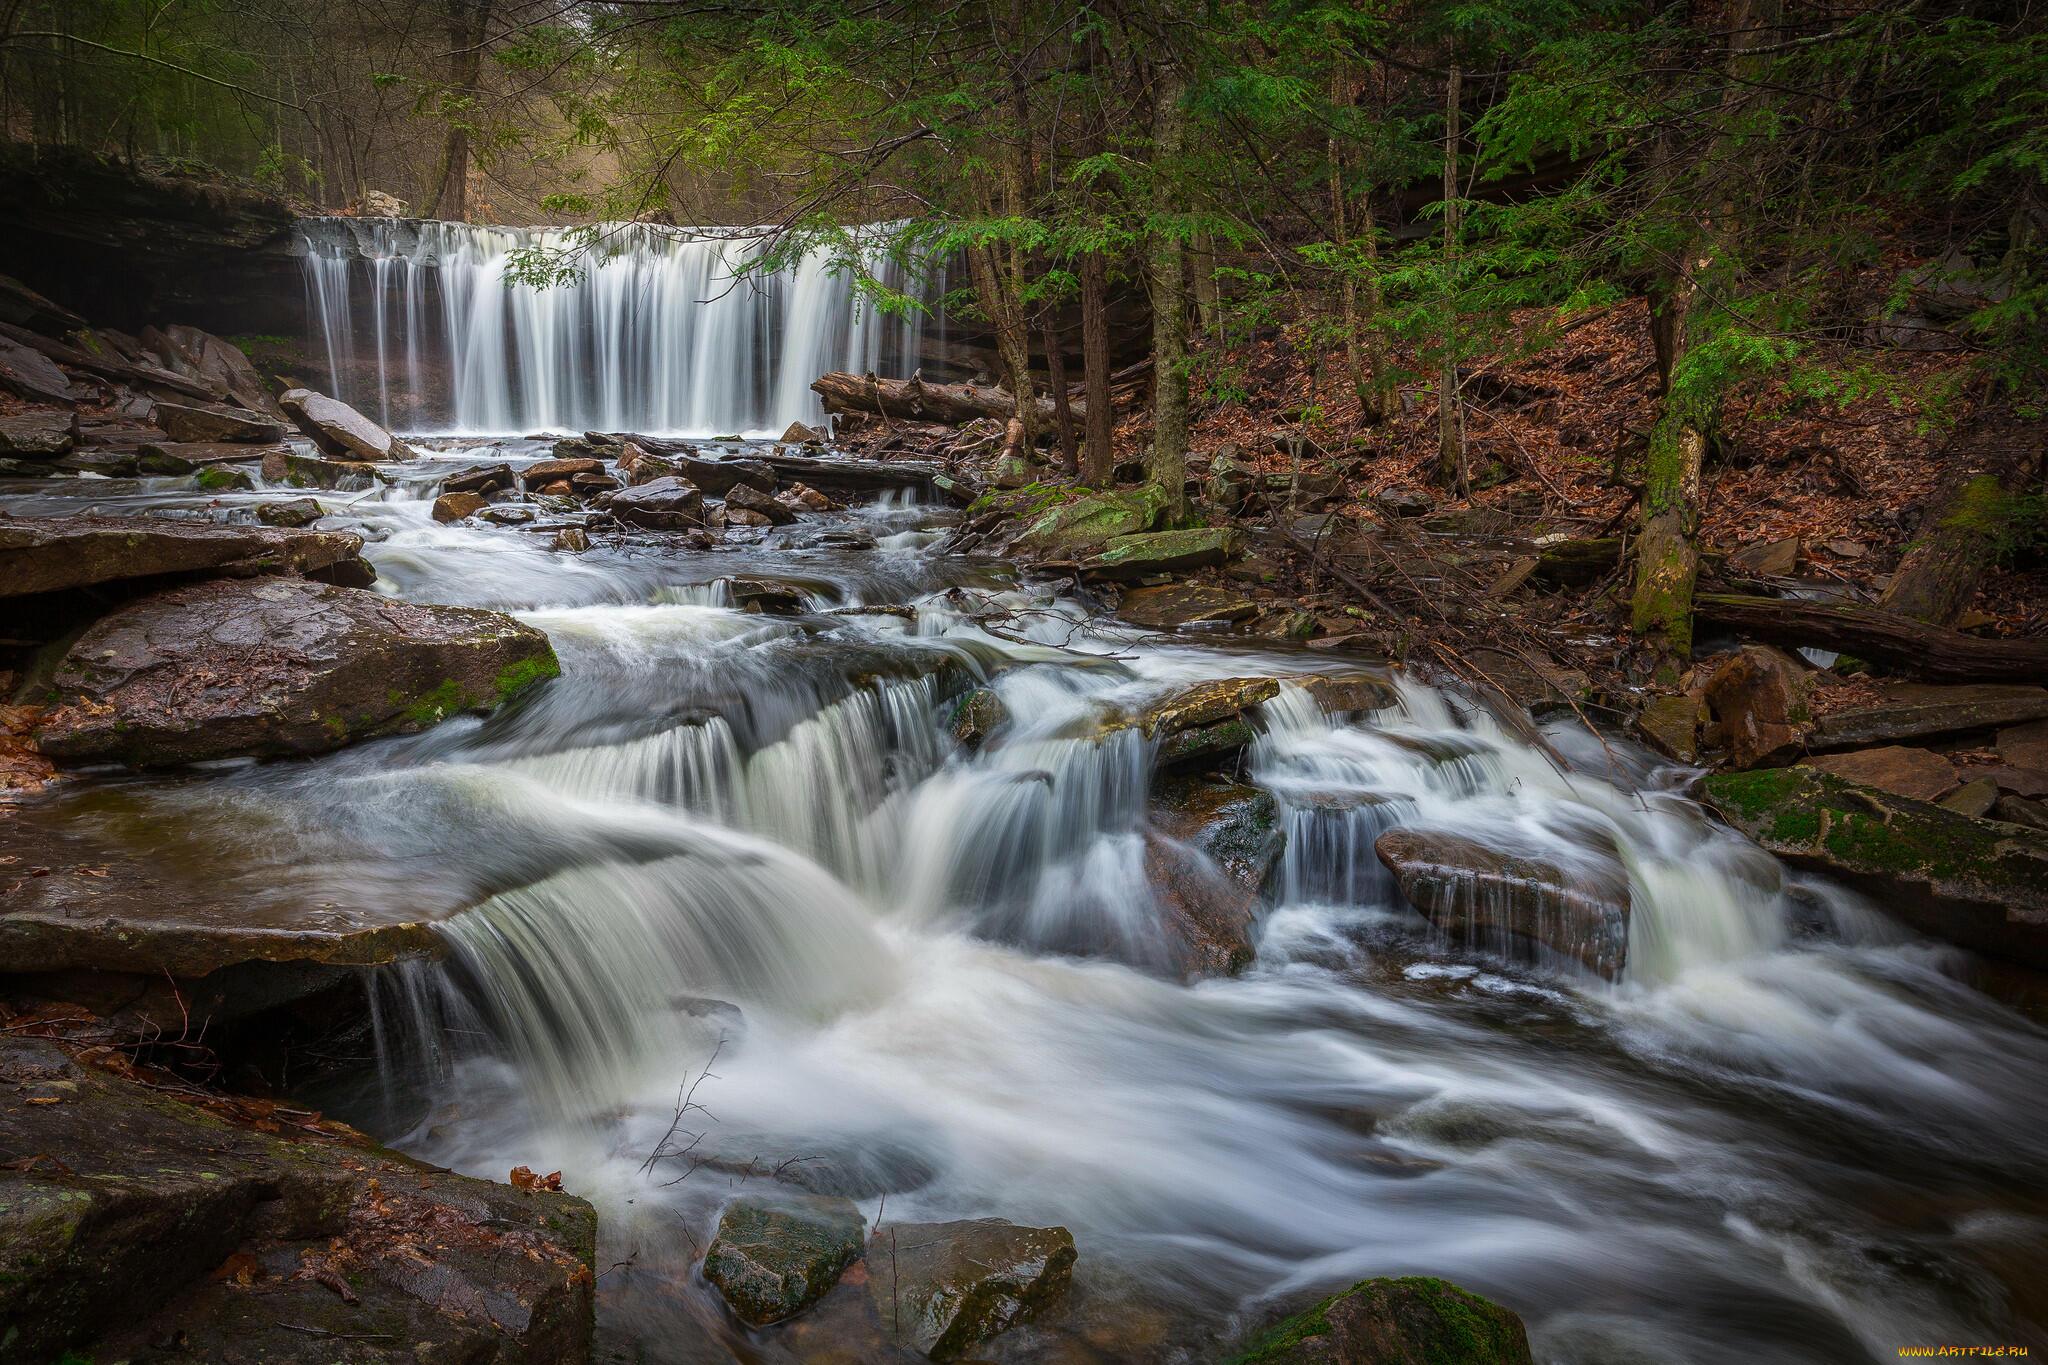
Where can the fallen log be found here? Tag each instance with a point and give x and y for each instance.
(1897, 643)
(855, 478)
(914, 398)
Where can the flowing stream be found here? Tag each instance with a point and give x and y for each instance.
(933, 978)
(428, 327)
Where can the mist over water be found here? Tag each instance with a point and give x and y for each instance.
(1788, 1133)
(426, 326)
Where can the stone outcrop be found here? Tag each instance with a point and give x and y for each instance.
(192, 422)
(774, 1257)
(1974, 882)
(314, 471)
(1920, 774)
(1174, 605)
(1759, 703)
(1411, 1321)
(50, 554)
(1156, 552)
(666, 504)
(131, 1218)
(1491, 898)
(1923, 711)
(747, 498)
(1207, 722)
(338, 430)
(944, 1288)
(277, 668)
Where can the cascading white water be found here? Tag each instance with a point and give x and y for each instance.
(663, 330)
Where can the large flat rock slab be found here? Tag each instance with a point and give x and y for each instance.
(275, 668)
(129, 1218)
(52, 554)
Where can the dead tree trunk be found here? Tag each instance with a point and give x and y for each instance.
(1965, 523)
(1896, 643)
(468, 24)
(1098, 464)
(1056, 380)
(1169, 462)
(914, 398)
(1450, 437)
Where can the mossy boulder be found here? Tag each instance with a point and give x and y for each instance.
(774, 1257)
(275, 667)
(1173, 605)
(1978, 883)
(1409, 1321)
(978, 715)
(1154, 552)
(132, 1219)
(1071, 530)
(944, 1288)
(1204, 724)
(1211, 846)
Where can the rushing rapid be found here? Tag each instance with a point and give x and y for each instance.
(937, 976)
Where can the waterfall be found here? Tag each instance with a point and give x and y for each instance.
(662, 330)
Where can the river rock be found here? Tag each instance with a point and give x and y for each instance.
(277, 668)
(154, 1220)
(480, 479)
(203, 453)
(1411, 1321)
(767, 596)
(1972, 882)
(944, 1288)
(544, 472)
(1974, 799)
(804, 498)
(220, 480)
(1348, 694)
(772, 1258)
(312, 471)
(1758, 697)
(1671, 725)
(1916, 773)
(1491, 897)
(1136, 556)
(978, 715)
(667, 504)
(456, 506)
(1212, 845)
(292, 512)
(49, 554)
(1073, 529)
(1206, 722)
(27, 373)
(717, 478)
(339, 430)
(1174, 605)
(1920, 711)
(1771, 559)
(184, 422)
(572, 540)
(2025, 746)
(38, 435)
(797, 434)
(2022, 811)
(746, 498)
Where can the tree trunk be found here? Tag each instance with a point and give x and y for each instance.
(1208, 296)
(1450, 438)
(1376, 397)
(917, 399)
(1062, 408)
(1895, 642)
(1340, 236)
(468, 23)
(1099, 462)
(1168, 276)
(1965, 523)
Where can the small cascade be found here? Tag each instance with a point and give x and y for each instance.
(663, 330)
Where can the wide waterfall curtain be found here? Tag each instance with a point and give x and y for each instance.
(663, 330)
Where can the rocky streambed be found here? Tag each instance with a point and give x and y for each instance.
(909, 958)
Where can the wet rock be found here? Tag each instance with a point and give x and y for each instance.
(312, 471)
(1410, 1321)
(746, 498)
(1207, 722)
(806, 498)
(667, 504)
(944, 1288)
(767, 596)
(1758, 697)
(277, 668)
(38, 435)
(583, 485)
(572, 539)
(339, 430)
(510, 514)
(456, 506)
(1183, 604)
(1974, 799)
(1073, 529)
(1212, 845)
(218, 364)
(164, 1222)
(480, 479)
(27, 373)
(1136, 556)
(219, 480)
(2025, 746)
(978, 715)
(293, 512)
(48, 554)
(109, 464)
(545, 472)
(717, 478)
(1490, 897)
(1982, 885)
(1774, 559)
(1348, 694)
(202, 453)
(797, 434)
(1920, 711)
(183, 422)
(772, 1258)
(1671, 726)
(1916, 773)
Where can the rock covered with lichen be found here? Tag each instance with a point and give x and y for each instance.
(277, 668)
(1409, 1321)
